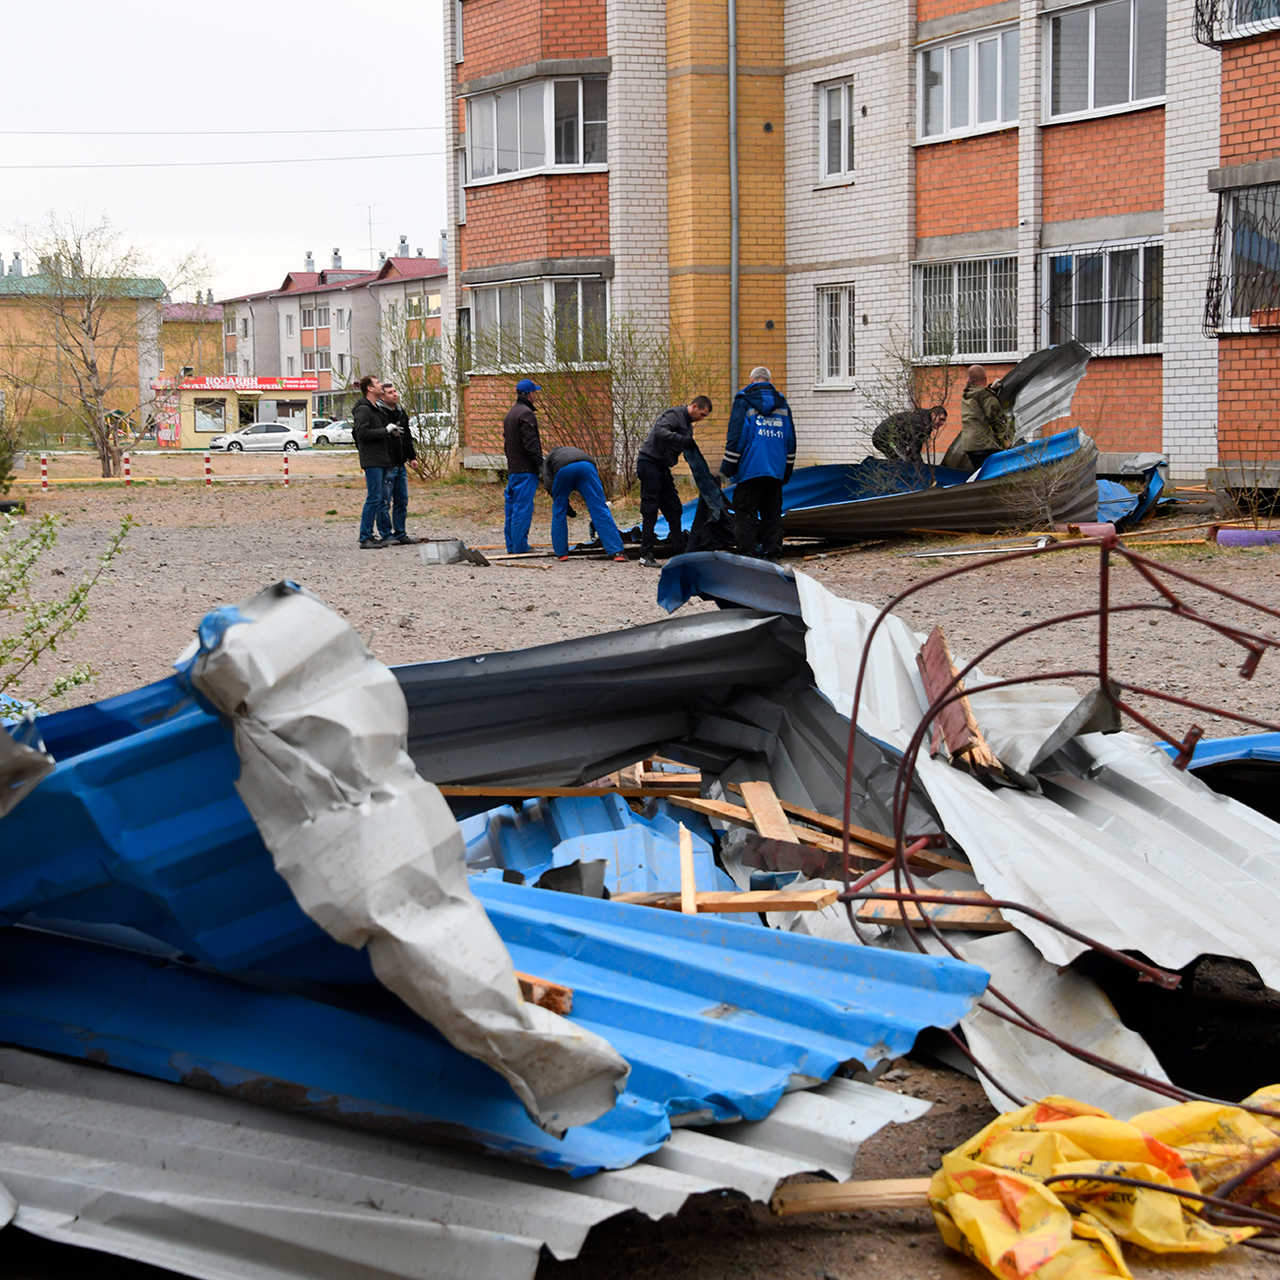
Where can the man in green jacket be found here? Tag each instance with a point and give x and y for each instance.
(985, 424)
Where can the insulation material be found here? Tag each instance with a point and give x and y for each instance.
(372, 852)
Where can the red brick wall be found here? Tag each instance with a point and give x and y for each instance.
(501, 34)
(578, 214)
(556, 216)
(1098, 167)
(1248, 390)
(1251, 100)
(929, 9)
(486, 400)
(970, 184)
(956, 391)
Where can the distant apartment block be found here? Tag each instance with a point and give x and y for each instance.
(944, 181)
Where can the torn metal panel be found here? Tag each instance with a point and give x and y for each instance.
(1041, 387)
(22, 763)
(217, 1187)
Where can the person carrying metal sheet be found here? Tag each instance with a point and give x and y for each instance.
(565, 469)
(760, 454)
(670, 435)
(523, 447)
(985, 424)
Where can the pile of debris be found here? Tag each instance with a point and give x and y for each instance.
(385, 955)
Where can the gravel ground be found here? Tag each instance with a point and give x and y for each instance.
(194, 549)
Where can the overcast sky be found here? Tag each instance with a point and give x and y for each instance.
(135, 65)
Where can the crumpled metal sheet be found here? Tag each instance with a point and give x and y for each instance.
(219, 1188)
(372, 852)
(1119, 844)
(22, 765)
(1042, 386)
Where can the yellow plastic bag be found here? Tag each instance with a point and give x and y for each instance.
(990, 1202)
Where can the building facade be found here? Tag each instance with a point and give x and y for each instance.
(919, 186)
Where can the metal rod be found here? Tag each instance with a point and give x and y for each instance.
(733, 196)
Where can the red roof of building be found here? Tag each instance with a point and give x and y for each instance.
(196, 312)
(411, 268)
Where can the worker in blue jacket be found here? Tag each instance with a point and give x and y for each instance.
(759, 454)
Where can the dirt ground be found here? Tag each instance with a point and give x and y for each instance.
(194, 549)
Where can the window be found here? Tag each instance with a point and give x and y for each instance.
(1111, 298)
(414, 353)
(308, 317)
(969, 85)
(464, 340)
(322, 359)
(837, 129)
(229, 325)
(508, 130)
(290, 366)
(413, 307)
(341, 317)
(537, 322)
(288, 326)
(229, 365)
(210, 414)
(433, 304)
(161, 365)
(244, 327)
(1245, 287)
(1106, 56)
(308, 361)
(965, 308)
(342, 364)
(244, 368)
(457, 30)
(462, 185)
(836, 330)
(322, 317)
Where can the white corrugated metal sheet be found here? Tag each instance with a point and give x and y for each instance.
(225, 1190)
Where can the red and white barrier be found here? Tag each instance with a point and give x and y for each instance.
(286, 468)
(208, 472)
(44, 472)
(128, 472)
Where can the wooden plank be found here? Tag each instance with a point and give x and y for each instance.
(688, 888)
(766, 812)
(726, 901)
(825, 822)
(965, 911)
(498, 790)
(550, 995)
(844, 1197)
(959, 725)
(658, 779)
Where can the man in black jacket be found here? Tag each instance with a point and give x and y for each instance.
(369, 430)
(395, 480)
(524, 465)
(670, 435)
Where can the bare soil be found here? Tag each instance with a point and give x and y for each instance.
(194, 549)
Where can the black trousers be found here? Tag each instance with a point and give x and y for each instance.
(658, 493)
(757, 516)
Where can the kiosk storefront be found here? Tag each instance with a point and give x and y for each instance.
(190, 413)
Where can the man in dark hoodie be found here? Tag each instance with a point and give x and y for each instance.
(759, 454)
(670, 435)
(369, 430)
(524, 465)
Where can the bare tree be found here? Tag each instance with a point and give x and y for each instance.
(92, 312)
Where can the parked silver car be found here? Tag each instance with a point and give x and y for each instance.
(260, 437)
(338, 432)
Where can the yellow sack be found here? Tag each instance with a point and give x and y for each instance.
(990, 1203)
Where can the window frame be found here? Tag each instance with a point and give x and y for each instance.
(478, 101)
(1048, 116)
(844, 295)
(970, 41)
(288, 324)
(289, 366)
(413, 306)
(322, 316)
(549, 320)
(1106, 249)
(847, 173)
(324, 360)
(919, 271)
(1237, 30)
(308, 360)
(1224, 266)
(308, 318)
(244, 326)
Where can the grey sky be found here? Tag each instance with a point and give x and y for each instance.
(146, 65)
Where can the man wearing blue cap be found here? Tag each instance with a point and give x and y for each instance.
(524, 465)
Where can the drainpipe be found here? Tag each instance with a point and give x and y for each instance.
(733, 195)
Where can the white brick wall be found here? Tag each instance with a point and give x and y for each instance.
(1191, 121)
(860, 234)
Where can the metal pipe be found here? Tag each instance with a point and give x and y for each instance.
(733, 195)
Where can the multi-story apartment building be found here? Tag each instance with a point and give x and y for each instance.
(844, 191)
(337, 323)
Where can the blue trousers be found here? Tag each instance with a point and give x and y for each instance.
(395, 499)
(521, 486)
(375, 487)
(583, 477)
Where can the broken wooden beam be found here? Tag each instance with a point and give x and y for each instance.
(969, 910)
(498, 790)
(552, 996)
(843, 1197)
(722, 901)
(766, 813)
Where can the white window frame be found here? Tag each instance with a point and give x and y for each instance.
(244, 367)
(341, 317)
(959, 268)
(229, 325)
(324, 361)
(837, 346)
(433, 304)
(308, 318)
(342, 364)
(462, 183)
(413, 307)
(244, 327)
(488, 102)
(1234, 29)
(1110, 344)
(1229, 322)
(290, 366)
(288, 325)
(229, 363)
(1132, 103)
(844, 173)
(1004, 37)
(457, 31)
(548, 289)
(309, 360)
(322, 316)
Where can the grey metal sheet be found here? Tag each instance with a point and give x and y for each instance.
(221, 1189)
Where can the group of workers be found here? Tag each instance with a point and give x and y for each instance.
(759, 455)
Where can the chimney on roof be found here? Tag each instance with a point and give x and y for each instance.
(310, 263)
(443, 255)
(337, 259)
(418, 252)
(15, 267)
(382, 256)
(402, 249)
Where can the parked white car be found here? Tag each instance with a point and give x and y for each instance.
(434, 430)
(333, 433)
(260, 437)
